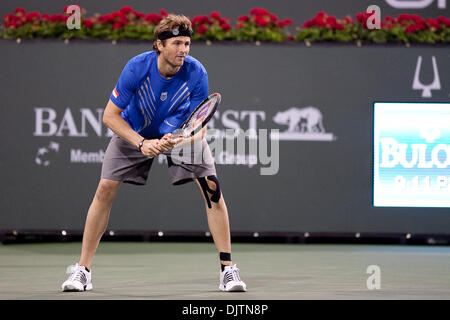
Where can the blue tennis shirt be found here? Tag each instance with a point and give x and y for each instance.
(153, 105)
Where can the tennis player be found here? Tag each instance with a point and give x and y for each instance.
(155, 93)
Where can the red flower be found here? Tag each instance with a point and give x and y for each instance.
(331, 20)
(205, 19)
(163, 13)
(348, 20)
(417, 19)
(57, 18)
(339, 26)
(195, 21)
(261, 22)
(360, 17)
(259, 12)
(108, 18)
(139, 15)
(225, 26)
(318, 18)
(11, 24)
(404, 17)
(223, 20)
(284, 23)
(363, 17)
(243, 19)
(117, 16)
(153, 18)
(215, 15)
(318, 21)
(420, 26)
(440, 19)
(9, 20)
(410, 29)
(273, 18)
(240, 25)
(202, 29)
(31, 16)
(63, 18)
(45, 17)
(290, 37)
(198, 20)
(432, 23)
(444, 21)
(19, 12)
(18, 22)
(116, 25)
(308, 24)
(88, 23)
(126, 9)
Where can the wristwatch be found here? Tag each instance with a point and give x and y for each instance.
(141, 143)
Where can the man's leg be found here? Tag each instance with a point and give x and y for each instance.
(218, 221)
(97, 219)
(216, 210)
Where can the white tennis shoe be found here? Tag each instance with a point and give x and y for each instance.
(79, 279)
(230, 280)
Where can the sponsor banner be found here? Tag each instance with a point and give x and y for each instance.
(297, 123)
(412, 154)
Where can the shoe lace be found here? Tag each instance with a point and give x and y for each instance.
(235, 273)
(76, 274)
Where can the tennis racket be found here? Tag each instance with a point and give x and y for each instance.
(199, 117)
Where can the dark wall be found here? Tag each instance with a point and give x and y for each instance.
(320, 185)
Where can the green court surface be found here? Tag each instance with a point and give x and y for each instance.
(190, 271)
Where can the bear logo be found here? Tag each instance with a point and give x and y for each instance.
(304, 120)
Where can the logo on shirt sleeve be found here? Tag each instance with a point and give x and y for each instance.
(115, 93)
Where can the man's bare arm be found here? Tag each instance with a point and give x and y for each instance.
(113, 120)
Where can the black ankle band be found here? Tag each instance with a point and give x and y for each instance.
(225, 256)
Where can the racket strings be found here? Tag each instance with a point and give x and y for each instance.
(200, 114)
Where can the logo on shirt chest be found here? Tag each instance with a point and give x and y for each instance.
(163, 96)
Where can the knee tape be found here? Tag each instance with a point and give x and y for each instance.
(215, 194)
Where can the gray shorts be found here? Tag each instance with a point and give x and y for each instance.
(124, 162)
